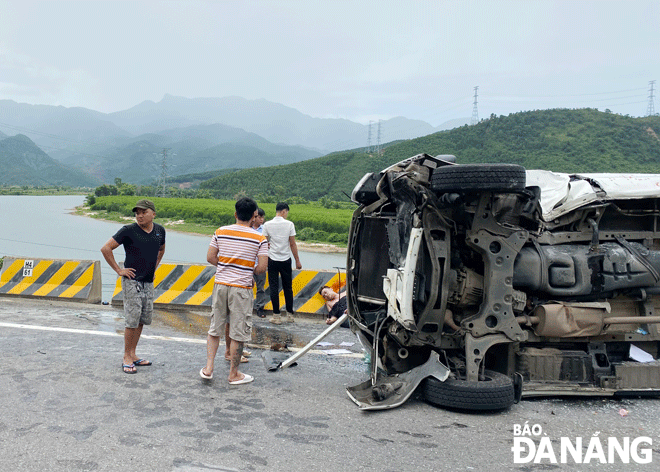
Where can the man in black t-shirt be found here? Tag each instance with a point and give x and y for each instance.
(144, 245)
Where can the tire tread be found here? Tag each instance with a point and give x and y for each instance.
(495, 394)
(466, 177)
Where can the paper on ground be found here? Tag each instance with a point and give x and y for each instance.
(331, 352)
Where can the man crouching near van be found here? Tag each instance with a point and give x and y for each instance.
(233, 250)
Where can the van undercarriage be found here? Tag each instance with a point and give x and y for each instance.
(485, 283)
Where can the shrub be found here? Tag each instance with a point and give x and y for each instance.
(305, 234)
(313, 221)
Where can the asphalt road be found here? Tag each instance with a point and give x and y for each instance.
(66, 405)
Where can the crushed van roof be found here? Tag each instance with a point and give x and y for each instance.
(562, 193)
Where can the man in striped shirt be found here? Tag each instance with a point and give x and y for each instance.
(233, 250)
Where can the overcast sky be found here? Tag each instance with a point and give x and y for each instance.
(361, 60)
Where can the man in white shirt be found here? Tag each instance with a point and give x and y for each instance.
(281, 235)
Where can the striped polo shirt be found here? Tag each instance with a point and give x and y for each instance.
(238, 248)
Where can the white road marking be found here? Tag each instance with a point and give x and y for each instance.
(146, 336)
(99, 333)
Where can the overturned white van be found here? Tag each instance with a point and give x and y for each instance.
(482, 283)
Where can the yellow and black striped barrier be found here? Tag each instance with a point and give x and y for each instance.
(52, 279)
(191, 285)
(177, 284)
(306, 285)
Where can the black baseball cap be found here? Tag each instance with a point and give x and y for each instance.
(145, 205)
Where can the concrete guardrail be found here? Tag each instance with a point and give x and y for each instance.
(191, 285)
(56, 279)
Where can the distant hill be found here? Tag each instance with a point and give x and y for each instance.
(201, 137)
(233, 155)
(326, 176)
(23, 163)
(197, 178)
(561, 140)
(193, 149)
(67, 131)
(54, 128)
(451, 124)
(124, 144)
(273, 121)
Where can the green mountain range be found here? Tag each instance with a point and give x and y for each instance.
(193, 149)
(78, 135)
(23, 163)
(273, 121)
(561, 140)
(583, 140)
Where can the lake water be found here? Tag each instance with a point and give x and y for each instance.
(34, 227)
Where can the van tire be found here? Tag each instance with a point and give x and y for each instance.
(479, 177)
(496, 392)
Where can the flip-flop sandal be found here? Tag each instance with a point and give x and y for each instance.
(204, 376)
(246, 379)
(132, 368)
(247, 353)
(141, 362)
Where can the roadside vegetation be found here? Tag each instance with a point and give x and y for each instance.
(314, 222)
(40, 191)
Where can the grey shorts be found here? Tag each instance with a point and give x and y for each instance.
(232, 305)
(138, 302)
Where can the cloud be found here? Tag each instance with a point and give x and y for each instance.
(419, 59)
(27, 79)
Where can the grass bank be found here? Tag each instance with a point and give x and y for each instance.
(42, 191)
(318, 228)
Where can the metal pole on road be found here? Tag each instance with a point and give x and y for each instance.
(313, 342)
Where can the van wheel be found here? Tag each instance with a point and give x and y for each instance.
(479, 177)
(495, 392)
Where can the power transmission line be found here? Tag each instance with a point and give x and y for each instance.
(378, 148)
(475, 112)
(162, 180)
(534, 97)
(520, 98)
(347, 142)
(650, 110)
